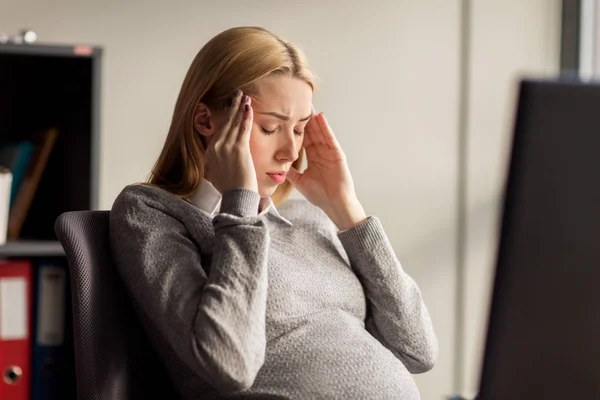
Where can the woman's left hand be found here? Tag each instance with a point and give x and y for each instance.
(327, 182)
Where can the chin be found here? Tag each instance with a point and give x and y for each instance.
(267, 192)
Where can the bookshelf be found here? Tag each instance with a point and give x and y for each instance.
(45, 86)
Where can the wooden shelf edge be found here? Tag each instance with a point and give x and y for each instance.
(31, 248)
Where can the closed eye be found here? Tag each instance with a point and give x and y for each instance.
(267, 132)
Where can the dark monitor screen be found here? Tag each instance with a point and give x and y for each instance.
(543, 339)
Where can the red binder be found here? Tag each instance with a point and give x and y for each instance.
(15, 329)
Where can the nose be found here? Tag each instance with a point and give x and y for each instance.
(287, 150)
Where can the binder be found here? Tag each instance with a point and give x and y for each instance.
(15, 329)
(50, 332)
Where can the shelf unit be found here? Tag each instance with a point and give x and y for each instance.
(46, 85)
(43, 86)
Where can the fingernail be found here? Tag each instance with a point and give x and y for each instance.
(245, 98)
(237, 92)
(247, 107)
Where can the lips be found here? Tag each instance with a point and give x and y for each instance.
(277, 177)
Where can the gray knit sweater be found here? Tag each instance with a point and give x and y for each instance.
(242, 306)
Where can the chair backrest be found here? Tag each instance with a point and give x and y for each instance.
(113, 359)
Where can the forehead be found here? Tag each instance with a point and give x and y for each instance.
(285, 95)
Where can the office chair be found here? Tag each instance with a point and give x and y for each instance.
(113, 359)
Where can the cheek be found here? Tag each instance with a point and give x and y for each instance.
(299, 142)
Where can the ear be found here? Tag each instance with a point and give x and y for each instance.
(204, 120)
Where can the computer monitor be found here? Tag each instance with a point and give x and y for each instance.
(543, 339)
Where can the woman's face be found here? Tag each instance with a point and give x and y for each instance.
(282, 106)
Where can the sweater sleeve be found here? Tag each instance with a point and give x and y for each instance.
(397, 315)
(215, 324)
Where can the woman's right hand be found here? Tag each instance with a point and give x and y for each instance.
(228, 153)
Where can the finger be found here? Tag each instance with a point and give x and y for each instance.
(313, 131)
(308, 135)
(231, 115)
(237, 127)
(222, 134)
(327, 132)
(246, 128)
(293, 176)
(311, 137)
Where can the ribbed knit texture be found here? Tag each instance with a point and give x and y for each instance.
(243, 306)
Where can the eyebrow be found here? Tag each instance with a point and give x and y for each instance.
(283, 117)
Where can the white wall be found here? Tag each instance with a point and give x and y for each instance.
(509, 39)
(596, 39)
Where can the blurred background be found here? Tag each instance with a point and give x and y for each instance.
(420, 94)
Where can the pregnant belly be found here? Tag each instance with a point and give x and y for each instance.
(332, 356)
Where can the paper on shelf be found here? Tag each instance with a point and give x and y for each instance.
(5, 187)
(13, 308)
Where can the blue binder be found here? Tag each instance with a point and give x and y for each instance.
(16, 156)
(50, 367)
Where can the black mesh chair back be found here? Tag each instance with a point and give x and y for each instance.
(113, 359)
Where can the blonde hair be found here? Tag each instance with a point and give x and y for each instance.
(234, 59)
